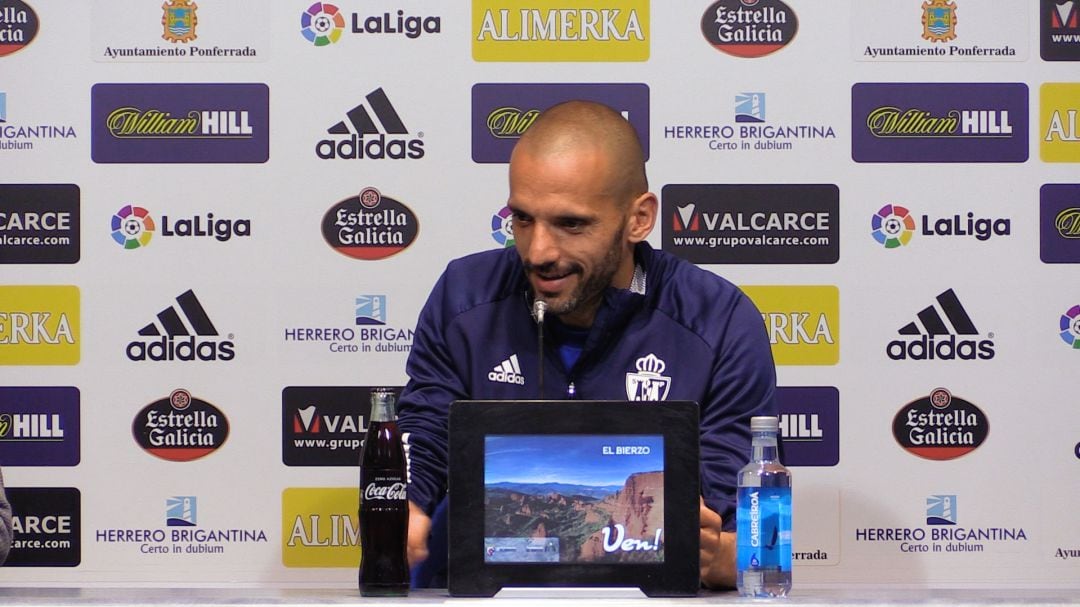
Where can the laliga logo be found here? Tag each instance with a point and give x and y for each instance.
(648, 383)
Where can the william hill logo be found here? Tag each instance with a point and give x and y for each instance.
(749, 28)
(183, 332)
(528, 30)
(940, 426)
(945, 332)
(359, 137)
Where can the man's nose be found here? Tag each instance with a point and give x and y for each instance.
(543, 246)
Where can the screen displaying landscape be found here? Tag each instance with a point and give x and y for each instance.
(574, 499)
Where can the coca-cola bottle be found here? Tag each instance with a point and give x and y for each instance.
(384, 509)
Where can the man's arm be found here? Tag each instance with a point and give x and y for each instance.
(743, 385)
(419, 529)
(5, 522)
(433, 384)
(717, 551)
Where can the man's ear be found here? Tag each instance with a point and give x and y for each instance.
(641, 217)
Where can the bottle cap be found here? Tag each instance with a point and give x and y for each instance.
(764, 423)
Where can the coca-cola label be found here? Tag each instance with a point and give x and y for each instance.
(385, 488)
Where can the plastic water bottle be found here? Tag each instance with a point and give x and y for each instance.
(763, 512)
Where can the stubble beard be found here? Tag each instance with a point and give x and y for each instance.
(590, 290)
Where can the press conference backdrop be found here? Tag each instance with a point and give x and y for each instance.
(219, 221)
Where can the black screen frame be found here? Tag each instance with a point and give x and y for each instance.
(676, 421)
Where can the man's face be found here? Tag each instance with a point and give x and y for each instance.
(569, 230)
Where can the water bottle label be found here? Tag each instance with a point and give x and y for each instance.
(763, 530)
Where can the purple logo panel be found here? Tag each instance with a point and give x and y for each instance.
(180, 123)
(502, 112)
(809, 425)
(1059, 223)
(917, 122)
(39, 426)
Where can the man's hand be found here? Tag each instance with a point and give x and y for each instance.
(419, 528)
(717, 551)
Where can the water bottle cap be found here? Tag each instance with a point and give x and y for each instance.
(764, 423)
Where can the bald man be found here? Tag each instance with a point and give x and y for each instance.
(581, 213)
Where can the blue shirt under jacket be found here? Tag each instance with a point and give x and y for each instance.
(690, 336)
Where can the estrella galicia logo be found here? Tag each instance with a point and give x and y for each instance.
(181, 511)
(180, 123)
(1059, 223)
(47, 526)
(809, 425)
(941, 510)
(1070, 327)
(752, 223)
(183, 332)
(501, 113)
(358, 137)
(39, 223)
(371, 310)
(502, 227)
(180, 428)
(39, 426)
(324, 425)
(940, 426)
(1060, 25)
(370, 226)
(749, 28)
(939, 122)
(18, 26)
(930, 338)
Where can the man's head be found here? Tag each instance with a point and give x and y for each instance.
(580, 203)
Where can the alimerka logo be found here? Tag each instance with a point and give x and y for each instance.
(803, 322)
(542, 30)
(940, 426)
(39, 325)
(1059, 105)
(320, 527)
(939, 122)
(749, 28)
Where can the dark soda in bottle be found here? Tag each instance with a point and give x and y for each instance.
(384, 508)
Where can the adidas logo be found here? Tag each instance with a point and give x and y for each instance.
(934, 337)
(178, 329)
(507, 372)
(359, 137)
